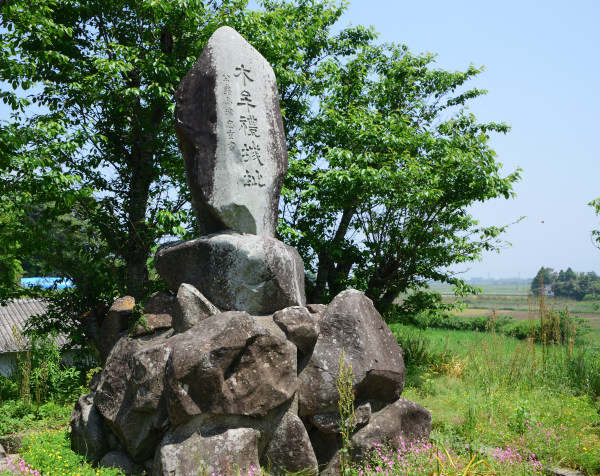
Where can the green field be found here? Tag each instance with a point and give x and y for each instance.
(500, 288)
(507, 300)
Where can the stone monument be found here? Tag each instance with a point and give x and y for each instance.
(230, 130)
(233, 369)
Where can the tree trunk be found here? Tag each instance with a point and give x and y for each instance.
(383, 303)
(326, 269)
(137, 247)
(139, 238)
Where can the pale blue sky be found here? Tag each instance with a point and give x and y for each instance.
(542, 72)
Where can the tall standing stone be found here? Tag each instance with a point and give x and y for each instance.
(231, 134)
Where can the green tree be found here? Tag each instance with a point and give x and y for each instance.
(91, 133)
(10, 266)
(386, 167)
(28, 177)
(570, 274)
(544, 277)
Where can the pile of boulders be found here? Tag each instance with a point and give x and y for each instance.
(230, 390)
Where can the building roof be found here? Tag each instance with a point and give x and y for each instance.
(15, 313)
(46, 283)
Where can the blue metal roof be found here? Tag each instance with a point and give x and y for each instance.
(46, 283)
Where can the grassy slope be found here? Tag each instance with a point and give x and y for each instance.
(494, 392)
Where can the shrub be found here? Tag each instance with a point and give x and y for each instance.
(416, 347)
(555, 327)
(17, 416)
(50, 453)
(444, 320)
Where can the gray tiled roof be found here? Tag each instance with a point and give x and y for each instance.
(15, 313)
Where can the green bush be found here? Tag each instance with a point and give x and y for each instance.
(416, 347)
(17, 416)
(8, 388)
(521, 329)
(50, 453)
(558, 327)
(445, 320)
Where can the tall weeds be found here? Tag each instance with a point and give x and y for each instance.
(550, 356)
(39, 374)
(344, 383)
(23, 370)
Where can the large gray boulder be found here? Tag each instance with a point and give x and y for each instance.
(235, 272)
(210, 450)
(290, 450)
(230, 131)
(88, 430)
(130, 394)
(352, 323)
(403, 420)
(226, 365)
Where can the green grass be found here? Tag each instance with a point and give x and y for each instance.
(18, 417)
(50, 453)
(492, 391)
(525, 303)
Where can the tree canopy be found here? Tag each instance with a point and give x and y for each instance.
(386, 167)
(567, 283)
(385, 159)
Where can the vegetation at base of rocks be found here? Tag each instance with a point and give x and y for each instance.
(344, 383)
(18, 417)
(435, 459)
(40, 392)
(500, 395)
(17, 469)
(49, 452)
(515, 406)
(491, 396)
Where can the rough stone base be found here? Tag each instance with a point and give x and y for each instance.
(231, 391)
(235, 272)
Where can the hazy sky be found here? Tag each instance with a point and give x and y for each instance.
(542, 72)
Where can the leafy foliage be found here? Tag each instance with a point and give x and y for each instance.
(386, 167)
(567, 283)
(595, 204)
(50, 453)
